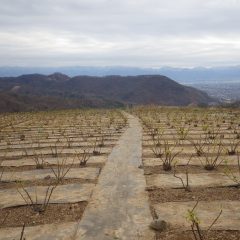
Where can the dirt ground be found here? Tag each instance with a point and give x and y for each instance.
(161, 195)
(166, 123)
(67, 131)
(17, 216)
(188, 235)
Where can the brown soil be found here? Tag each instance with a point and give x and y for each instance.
(159, 195)
(33, 167)
(45, 182)
(188, 235)
(17, 216)
(149, 170)
(152, 155)
(148, 145)
(202, 194)
(50, 155)
(60, 147)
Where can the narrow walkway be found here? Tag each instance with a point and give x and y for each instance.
(119, 207)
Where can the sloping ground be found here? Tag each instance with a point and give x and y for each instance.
(60, 175)
(190, 188)
(12, 102)
(118, 207)
(60, 91)
(143, 90)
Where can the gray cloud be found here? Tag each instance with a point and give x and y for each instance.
(147, 33)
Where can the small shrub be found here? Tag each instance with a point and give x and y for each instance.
(33, 202)
(198, 233)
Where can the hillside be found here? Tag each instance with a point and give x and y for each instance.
(11, 102)
(37, 91)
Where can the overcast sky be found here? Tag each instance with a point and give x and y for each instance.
(141, 33)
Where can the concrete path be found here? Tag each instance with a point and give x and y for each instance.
(119, 208)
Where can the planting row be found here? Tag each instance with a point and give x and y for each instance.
(49, 165)
(192, 169)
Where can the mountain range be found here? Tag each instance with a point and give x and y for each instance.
(182, 75)
(56, 91)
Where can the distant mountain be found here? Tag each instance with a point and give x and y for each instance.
(204, 75)
(182, 75)
(36, 91)
(58, 77)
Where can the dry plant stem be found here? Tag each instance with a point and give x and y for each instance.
(215, 220)
(168, 156)
(212, 132)
(185, 186)
(211, 161)
(39, 161)
(182, 132)
(54, 150)
(83, 159)
(61, 170)
(96, 148)
(34, 203)
(22, 232)
(233, 176)
(157, 147)
(193, 231)
(234, 143)
(198, 145)
(195, 223)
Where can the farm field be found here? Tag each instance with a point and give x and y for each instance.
(191, 165)
(144, 173)
(49, 166)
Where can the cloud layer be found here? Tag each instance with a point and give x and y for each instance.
(143, 33)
